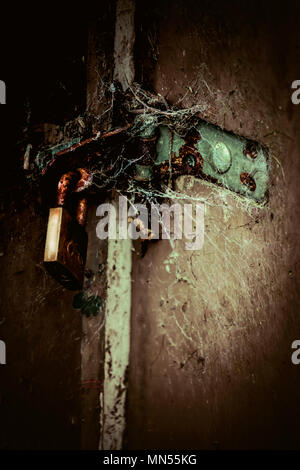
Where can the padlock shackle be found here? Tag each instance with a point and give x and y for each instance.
(70, 182)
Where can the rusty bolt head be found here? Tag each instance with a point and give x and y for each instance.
(250, 151)
(66, 185)
(248, 180)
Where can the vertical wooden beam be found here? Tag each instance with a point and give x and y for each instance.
(124, 43)
(99, 71)
(117, 343)
(106, 337)
(118, 308)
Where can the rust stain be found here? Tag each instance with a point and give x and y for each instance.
(191, 160)
(81, 213)
(98, 136)
(250, 151)
(66, 184)
(248, 180)
(84, 180)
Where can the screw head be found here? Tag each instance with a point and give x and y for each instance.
(221, 157)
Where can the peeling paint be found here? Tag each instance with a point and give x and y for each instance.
(124, 41)
(117, 343)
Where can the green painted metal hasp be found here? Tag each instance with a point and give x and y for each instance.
(153, 152)
(227, 159)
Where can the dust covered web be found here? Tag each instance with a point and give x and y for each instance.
(149, 112)
(220, 279)
(144, 112)
(206, 294)
(203, 294)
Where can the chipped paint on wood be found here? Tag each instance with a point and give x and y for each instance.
(124, 41)
(117, 343)
(118, 307)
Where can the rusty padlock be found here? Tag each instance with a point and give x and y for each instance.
(66, 239)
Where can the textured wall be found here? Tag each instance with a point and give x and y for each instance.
(212, 330)
(40, 384)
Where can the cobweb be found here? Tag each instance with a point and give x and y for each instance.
(150, 111)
